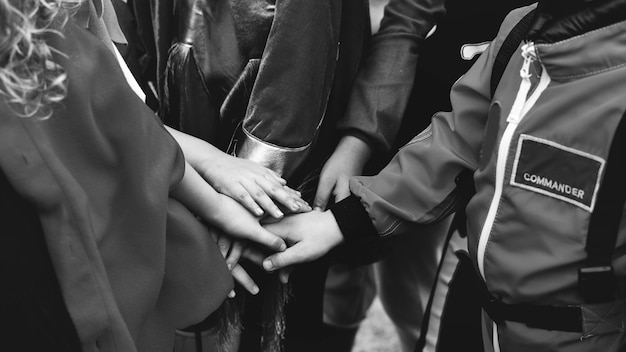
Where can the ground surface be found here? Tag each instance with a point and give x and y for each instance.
(377, 333)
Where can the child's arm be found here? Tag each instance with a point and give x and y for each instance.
(221, 211)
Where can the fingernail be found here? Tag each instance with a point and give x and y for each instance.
(258, 211)
(282, 247)
(267, 265)
(255, 290)
(278, 213)
(230, 266)
(295, 206)
(317, 208)
(231, 294)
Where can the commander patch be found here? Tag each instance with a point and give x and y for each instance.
(557, 171)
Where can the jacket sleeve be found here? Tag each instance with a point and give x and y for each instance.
(418, 185)
(291, 90)
(383, 85)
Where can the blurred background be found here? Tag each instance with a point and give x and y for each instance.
(377, 333)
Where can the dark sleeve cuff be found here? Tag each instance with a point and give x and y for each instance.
(353, 220)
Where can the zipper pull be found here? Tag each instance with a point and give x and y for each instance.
(529, 55)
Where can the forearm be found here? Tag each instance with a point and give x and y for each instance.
(383, 86)
(196, 151)
(355, 148)
(197, 195)
(221, 211)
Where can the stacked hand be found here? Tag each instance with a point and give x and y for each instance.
(308, 236)
(234, 242)
(348, 160)
(248, 192)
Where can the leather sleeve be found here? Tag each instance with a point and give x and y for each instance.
(291, 90)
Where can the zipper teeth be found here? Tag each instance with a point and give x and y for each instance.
(496, 339)
(521, 106)
(491, 214)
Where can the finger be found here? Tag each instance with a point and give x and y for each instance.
(236, 250)
(244, 197)
(297, 196)
(294, 192)
(304, 208)
(215, 234)
(271, 175)
(281, 194)
(223, 243)
(268, 220)
(266, 238)
(242, 277)
(283, 275)
(342, 189)
(261, 198)
(323, 193)
(254, 254)
(292, 255)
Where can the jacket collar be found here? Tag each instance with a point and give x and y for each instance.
(557, 20)
(578, 56)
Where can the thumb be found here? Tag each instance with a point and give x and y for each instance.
(324, 190)
(342, 189)
(265, 238)
(290, 256)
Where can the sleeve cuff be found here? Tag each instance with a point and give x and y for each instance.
(353, 220)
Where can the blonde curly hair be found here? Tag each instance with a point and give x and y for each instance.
(30, 81)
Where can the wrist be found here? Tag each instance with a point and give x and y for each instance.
(335, 236)
(207, 163)
(221, 214)
(357, 150)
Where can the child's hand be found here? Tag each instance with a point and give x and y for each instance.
(233, 250)
(347, 160)
(256, 255)
(238, 222)
(258, 188)
(253, 185)
(222, 211)
(309, 235)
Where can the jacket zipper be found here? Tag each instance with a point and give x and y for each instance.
(521, 106)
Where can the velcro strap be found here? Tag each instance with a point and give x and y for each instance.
(560, 318)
